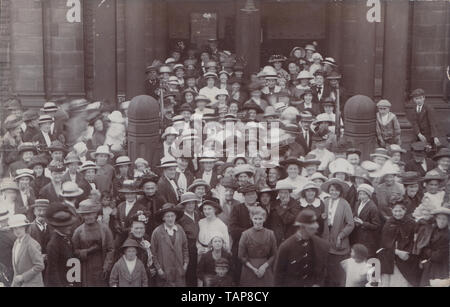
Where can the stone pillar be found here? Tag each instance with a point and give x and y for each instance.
(364, 60)
(105, 68)
(248, 34)
(334, 31)
(135, 47)
(160, 29)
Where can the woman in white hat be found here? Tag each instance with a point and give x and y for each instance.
(309, 199)
(340, 224)
(387, 189)
(26, 196)
(210, 90)
(105, 171)
(294, 178)
(343, 170)
(27, 259)
(367, 220)
(434, 255)
(116, 133)
(318, 179)
(123, 172)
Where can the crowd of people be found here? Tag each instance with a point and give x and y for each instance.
(313, 213)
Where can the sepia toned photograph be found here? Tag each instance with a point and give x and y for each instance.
(224, 147)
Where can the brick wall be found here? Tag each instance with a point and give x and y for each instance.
(430, 45)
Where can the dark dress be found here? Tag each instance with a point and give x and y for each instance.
(38, 183)
(59, 251)
(282, 219)
(399, 234)
(206, 267)
(257, 247)
(367, 233)
(191, 229)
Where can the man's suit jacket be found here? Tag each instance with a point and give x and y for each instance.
(39, 137)
(189, 177)
(214, 177)
(326, 91)
(48, 192)
(315, 108)
(122, 220)
(29, 263)
(21, 208)
(29, 134)
(190, 227)
(425, 122)
(41, 236)
(166, 191)
(300, 139)
(413, 166)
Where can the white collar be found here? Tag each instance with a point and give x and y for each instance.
(130, 203)
(169, 230)
(315, 203)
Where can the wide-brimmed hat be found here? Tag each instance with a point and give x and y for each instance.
(283, 185)
(88, 165)
(304, 74)
(71, 189)
(27, 146)
(202, 98)
(298, 48)
(102, 149)
(222, 92)
(361, 173)
(441, 210)
(59, 215)
(305, 116)
(290, 128)
(330, 61)
(366, 188)
(341, 165)
(128, 186)
(24, 172)
(310, 159)
(210, 74)
(56, 145)
(17, 220)
(130, 243)
(168, 207)
(268, 190)
(239, 156)
(123, 160)
(244, 168)
(88, 206)
(442, 153)
(229, 118)
(277, 58)
(154, 66)
(248, 188)
(8, 184)
(326, 185)
(323, 118)
(198, 182)
(270, 112)
(410, 177)
(396, 148)
(49, 107)
(318, 175)
(213, 202)
(311, 47)
(207, 157)
(56, 166)
(188, 197)
(305, 217)
(37, 160)
(310, 185)
(72, 158)
(291, 160)
(380, 152)
(40, 203)
(433, 176)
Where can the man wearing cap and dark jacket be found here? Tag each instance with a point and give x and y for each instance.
(419, 163)
(30, 117)
(302, 258)
(423, 119)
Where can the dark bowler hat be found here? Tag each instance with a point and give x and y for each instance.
(442, 153)
(129, 186)
(334, 75)
(305, 217)
(27, 146)
(418, 146)
(59, 215)
(408, 178)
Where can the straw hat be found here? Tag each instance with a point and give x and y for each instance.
(72, 158)
(188, 197)
(88, 165)
(116, 117)
(40, 203)
(408, 178)
(442, 153)
(130, 243)
(283, 185)
(128, 186)
(310, 185)
(8, 184)
(396, 148)
(244, 168)
(433, 176)
(4, 214)
(380, 152)
(291, 160)
(318, 175)
(123, 160)
(341, 165)
(49, 107)
(304, 74)
(24, 172)
(17, 220)
(102, 149)
(71, 189)
(310, 159)
(27, 146)
(197, 183)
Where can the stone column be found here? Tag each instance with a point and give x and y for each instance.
(395, 59)
(135, 47)
(364, 60)
(248, 34)
(334, 31)
(104, 41)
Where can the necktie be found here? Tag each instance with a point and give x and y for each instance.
(319, 91)
(419, 108)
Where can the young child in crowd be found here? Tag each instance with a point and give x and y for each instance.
(222, 278)
(356, 266)
(388, 127)
(129, 271)
(108, 208)
(140, 168)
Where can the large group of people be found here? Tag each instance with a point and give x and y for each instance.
(296, 205)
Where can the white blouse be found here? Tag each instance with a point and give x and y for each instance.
(209, 229)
